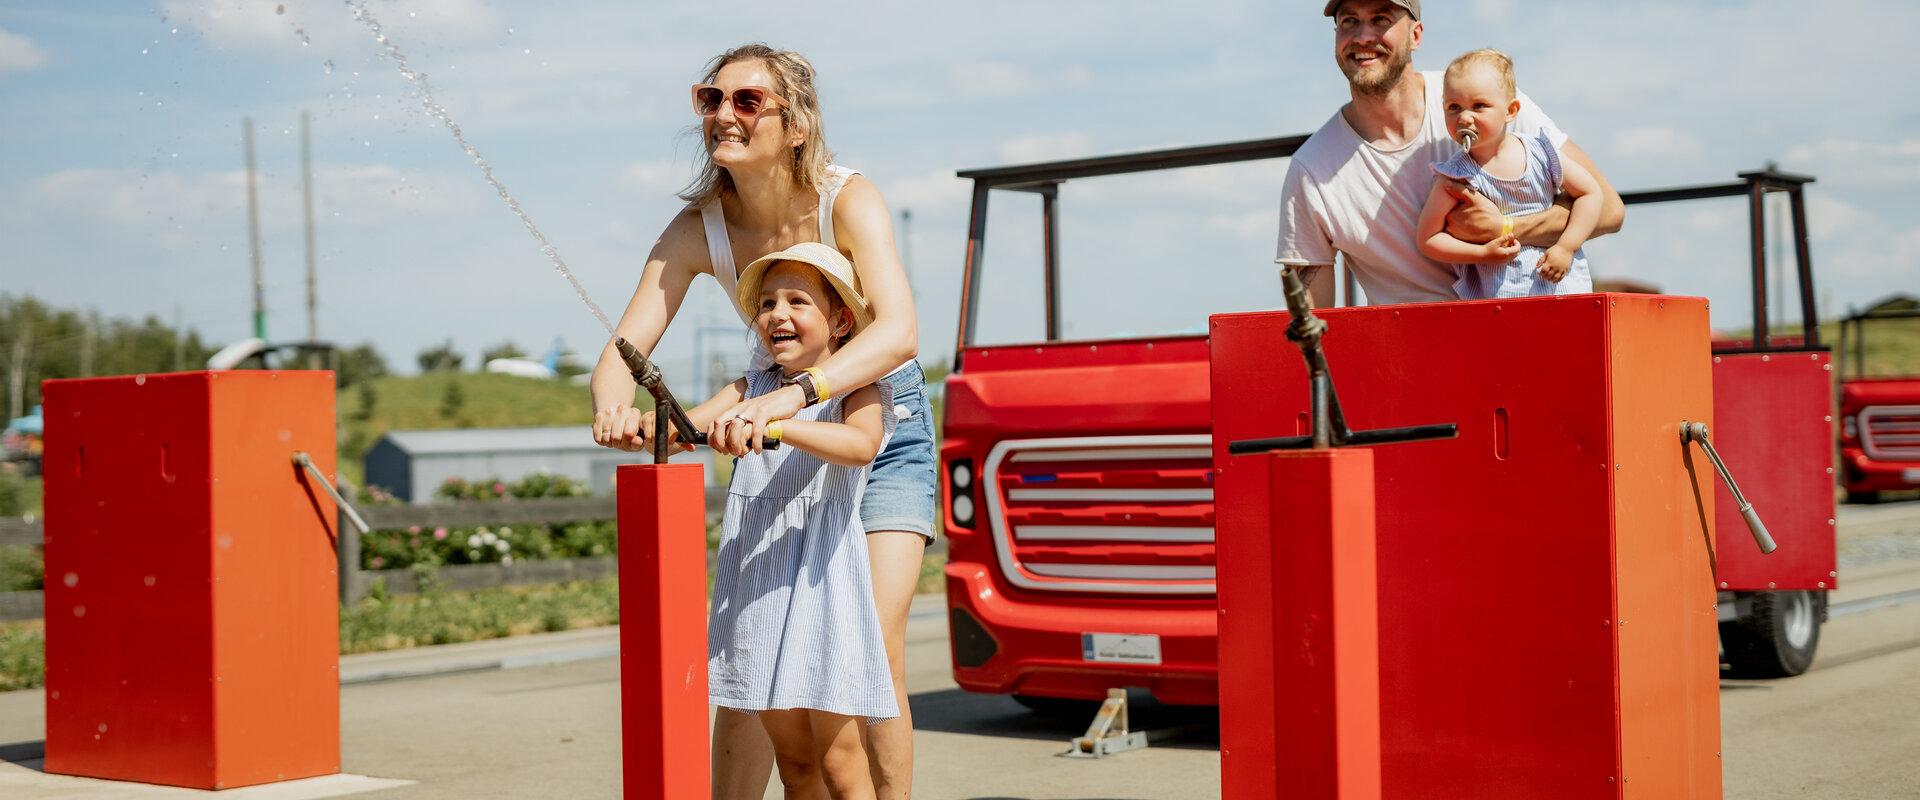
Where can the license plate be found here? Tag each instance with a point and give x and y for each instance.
(1910, 475)
(1120, 648)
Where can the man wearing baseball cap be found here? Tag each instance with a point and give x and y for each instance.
(1357, 185)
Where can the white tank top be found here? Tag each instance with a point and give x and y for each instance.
(720, 252)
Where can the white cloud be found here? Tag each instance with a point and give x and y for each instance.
(659, 177)
(1655, 143)
(1846, 159)
(1003, 78)
(936, 191)
(19, 53)
(372, 195)
(1046, 147)
(294, 28)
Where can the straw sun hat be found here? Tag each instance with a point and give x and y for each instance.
(832, 265)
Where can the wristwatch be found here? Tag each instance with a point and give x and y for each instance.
(804, 380)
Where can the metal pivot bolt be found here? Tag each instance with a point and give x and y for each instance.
(301, 459)
(1697, 432)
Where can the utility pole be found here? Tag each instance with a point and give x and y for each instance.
(89, 334)
(306, 204)
(906, 248)
(17, 367)
(179, 340)
(253, 241)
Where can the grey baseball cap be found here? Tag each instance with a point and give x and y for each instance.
(1412, 6)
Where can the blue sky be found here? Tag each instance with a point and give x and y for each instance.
(122, 187)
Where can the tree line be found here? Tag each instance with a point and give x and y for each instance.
(40, 342)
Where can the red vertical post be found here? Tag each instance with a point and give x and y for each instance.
(1299, 627)
(663, 631)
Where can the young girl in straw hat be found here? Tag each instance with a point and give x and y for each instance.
(793, 636)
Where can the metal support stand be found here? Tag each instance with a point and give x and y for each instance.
(1108, 734)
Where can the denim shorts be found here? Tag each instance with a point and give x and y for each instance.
(900, 490)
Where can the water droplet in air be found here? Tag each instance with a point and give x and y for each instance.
(72, 579)
(509, 31)
(528, 51)
(150, 580)
(280, 9)
(226, 541)
(175, 30)
(328, 66)
(79, 611)
(103, 727)
(139, 380)
(143, 51)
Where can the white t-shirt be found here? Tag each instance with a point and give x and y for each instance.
(1346, 195)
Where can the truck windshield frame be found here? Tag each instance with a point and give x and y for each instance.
(1045, 178)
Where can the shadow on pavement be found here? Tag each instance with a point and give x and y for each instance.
(26, 754)
(960, 711)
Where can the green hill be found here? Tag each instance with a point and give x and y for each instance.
(451, 400)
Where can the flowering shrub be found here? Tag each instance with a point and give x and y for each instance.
(486, 544)
(376, 496)
(527, 488)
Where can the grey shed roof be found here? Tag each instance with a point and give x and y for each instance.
(496, 440)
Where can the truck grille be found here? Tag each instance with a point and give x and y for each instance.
(1891, 433)
(1126, 514)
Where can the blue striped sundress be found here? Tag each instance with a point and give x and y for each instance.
(792, 622)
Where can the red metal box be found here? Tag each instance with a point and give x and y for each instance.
(1546, 594)
(192, 620)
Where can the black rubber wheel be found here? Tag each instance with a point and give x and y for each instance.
(1778, 635)
(1863, 498)
(1059, 707)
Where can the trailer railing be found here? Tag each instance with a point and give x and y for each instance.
(1045, 178)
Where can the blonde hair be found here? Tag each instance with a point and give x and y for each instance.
(1490, 58)
(793, 81)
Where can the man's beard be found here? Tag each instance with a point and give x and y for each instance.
(1386, 77)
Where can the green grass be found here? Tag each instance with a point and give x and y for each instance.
(23, 663)
(19, 494)
(393, 623)
(21, 569)
(421, 402)
(1892, 348)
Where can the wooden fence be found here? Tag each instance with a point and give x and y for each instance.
(355, 582)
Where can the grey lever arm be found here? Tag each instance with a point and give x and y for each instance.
(301, 459)
(1697, 432)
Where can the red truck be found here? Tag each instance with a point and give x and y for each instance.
(1879, 415)
(1078, 503)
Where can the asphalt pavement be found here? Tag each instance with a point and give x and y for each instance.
(537, 717)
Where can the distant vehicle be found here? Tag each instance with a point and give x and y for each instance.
(256, 353)
(522, 367)
(21, 441)
(1879, 416)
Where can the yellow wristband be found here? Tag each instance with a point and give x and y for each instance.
(773, 429)
(1506, 225)
(819, 383)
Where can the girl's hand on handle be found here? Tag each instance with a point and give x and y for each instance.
(1555, 262)
(734, 436)
(782, 403)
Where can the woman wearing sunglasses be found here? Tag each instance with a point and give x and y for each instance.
(767, 185)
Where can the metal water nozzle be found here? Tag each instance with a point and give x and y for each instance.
(666, 410)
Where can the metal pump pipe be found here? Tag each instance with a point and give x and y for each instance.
(1697, 432)
(667, 413)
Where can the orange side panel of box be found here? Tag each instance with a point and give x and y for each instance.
(1663, 512)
